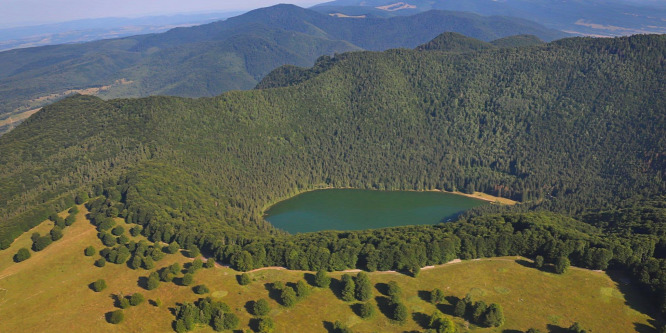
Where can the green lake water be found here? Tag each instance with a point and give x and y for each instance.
(348, 209)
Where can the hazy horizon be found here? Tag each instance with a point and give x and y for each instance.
(18, 13)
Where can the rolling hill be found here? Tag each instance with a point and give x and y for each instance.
(221, 56)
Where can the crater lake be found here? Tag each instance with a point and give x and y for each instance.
(353, 209)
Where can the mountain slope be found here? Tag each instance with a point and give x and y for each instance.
(226, 55)
(589, 17)
(453, 42)
(566, 126)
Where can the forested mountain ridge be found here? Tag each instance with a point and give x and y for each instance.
(227, 55)
(574, 126)
(569, 125)
(582, 17)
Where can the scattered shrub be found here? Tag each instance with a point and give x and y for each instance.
(136, 299)
(22, 254)
(116, 317)
(99, 285)
(201, 289)
(89, 251)
(244, 279)
(261, 307)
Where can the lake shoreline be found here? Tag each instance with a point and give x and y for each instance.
(475, 195)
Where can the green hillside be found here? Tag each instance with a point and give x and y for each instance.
(574, 126)
(226, 55)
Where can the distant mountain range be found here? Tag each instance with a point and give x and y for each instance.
(233, 54)
(582, 17)
(79, 31)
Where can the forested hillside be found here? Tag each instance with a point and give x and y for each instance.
(574, 126)
(226, 55)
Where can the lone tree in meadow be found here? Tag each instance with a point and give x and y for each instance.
(366, 310)
(244, 279)
(348, 288)
(562, 265)
(266, 325)
(123, 302)
(400, 312)
(116, 317)
(99, 285)
(101, 262)
(56, 233)
(89, 251)
(187, 279)
(41, 243)
(436, 296)
(363, 290)
(201, 289)
(136, 299)
(261, 307)
(288, 297)
(394, 291)
(322, 280)
(302, 289)
(153, 281)
(22, 254)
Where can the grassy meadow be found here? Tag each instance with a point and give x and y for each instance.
(50, 293)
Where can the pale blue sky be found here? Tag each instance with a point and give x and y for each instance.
(23, 12)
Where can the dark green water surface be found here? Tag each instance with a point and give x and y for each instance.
(347, 209)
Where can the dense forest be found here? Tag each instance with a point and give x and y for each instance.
(226, 55)
(575, 127)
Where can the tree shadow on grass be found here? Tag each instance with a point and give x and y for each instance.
(548, 268)
(174, 309)
(273, 293)
(525, 263)
(249, 307)
(421, 319)
(448, 308)
(556, 329)
(336, 288)
(385, 306)
(512, 331)
(310, 279)
(634, 297)
(254, 324)
(425, 295)
(642, 328)
(329, 326)
(382, 288)
(142, 282)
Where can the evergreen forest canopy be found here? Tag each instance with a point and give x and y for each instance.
(574, 126)
(226, 55)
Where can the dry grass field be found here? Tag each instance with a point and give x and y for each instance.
(50, 293)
